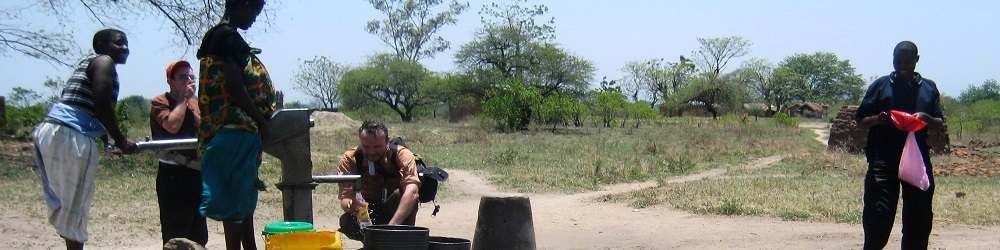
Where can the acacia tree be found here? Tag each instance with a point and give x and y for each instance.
(989, 90)
(764, 81)
(559, 72)
(21, 97)
(410, 28)
(826, 78)
(679, 74)
(319, 78)
(508, 41)
(715, 53)
(713, 89)
(651, 77)
(399, 84)
(716, 93)
(513, 47)
(187, 20)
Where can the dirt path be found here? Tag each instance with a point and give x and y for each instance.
(822, 130)
(576, 222)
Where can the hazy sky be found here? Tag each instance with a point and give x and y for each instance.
(957, 39)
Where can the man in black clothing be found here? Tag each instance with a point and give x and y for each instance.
(907, 91)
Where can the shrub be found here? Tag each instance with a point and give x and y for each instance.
(784, 119)
(506, 105)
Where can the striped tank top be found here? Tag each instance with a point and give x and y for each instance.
(78, 91)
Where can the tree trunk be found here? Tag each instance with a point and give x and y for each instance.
(525, 118)
(710, 109)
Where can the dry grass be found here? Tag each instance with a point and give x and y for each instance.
(808, 184)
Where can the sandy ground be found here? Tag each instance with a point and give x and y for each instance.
(822, 130)
(560, 222)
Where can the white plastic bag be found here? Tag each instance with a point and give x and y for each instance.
(911, 165)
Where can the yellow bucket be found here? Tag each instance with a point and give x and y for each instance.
(323, 240)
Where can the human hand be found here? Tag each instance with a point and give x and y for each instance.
(882, 118)
(189, 91)
(923, 116)
(127, 147)
(356, 204)
(264, 129)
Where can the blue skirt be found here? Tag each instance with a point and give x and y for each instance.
(228, 171)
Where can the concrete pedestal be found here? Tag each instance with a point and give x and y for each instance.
(504, 223)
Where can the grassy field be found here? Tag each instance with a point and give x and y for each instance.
(808, 184)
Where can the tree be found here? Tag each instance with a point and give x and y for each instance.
(512, 47)
(827, 78)
(319, 78)
(713, 89)
(508, 40)
(638, 112)
(399, 84)
(505, 105)
(609, 106)
(715, 53)
(22, 97)
(558, 71)
(650, 77)
(716, 93)
(770, 84)
(990, 90)
(55, 87)
(295, 105)
(679, 74)
(557, 110)
(410, 28)
(136, 107)
(186, 18)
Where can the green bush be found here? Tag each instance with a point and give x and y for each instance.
(784, 119)
(506, 104)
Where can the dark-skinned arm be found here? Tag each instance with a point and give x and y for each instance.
(931, 120)
(241, 99)
(102, 72)
(871, 121)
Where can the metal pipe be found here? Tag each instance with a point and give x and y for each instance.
(336, 178)
(176, 144)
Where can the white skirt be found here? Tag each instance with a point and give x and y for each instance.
(67, 165)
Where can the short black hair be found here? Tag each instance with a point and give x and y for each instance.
(231, 5)
(907, 47)
(372, 128)
(104, 36)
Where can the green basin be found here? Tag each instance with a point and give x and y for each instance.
(287, 227)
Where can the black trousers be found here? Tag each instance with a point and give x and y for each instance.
(178, 192)
(882, 187)
(381, 213)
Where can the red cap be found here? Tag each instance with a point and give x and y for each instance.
(177, 64)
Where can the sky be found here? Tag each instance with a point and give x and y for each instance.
(957, 40)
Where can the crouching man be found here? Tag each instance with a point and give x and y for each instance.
(389, 184)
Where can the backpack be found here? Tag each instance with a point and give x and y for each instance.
(429, 176)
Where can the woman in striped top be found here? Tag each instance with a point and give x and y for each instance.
(65, 148)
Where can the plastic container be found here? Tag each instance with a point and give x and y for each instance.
(282, 227)
(364, 218)
(396, 237)
(448, 243)
(323, 240)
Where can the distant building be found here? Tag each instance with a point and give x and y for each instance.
(806, 109)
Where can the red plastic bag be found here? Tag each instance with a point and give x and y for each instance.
(906, 122)
(911, 164)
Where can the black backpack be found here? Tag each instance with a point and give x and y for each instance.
(429, 176)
